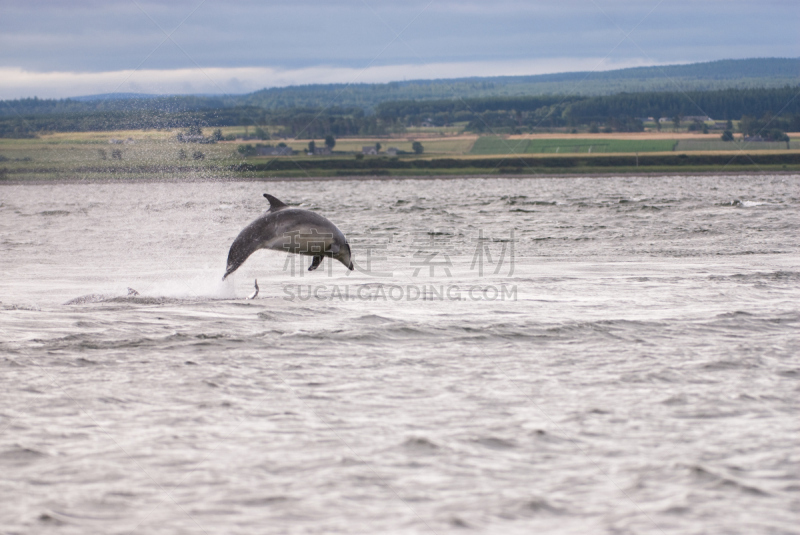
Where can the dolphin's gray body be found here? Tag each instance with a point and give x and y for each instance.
(292, 230)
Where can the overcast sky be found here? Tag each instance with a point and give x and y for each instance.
(52, 48)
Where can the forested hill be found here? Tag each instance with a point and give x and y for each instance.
(722, 104)
(377, 109)
(148, 103)
(715, 75)
(724, 74)
(624, 112)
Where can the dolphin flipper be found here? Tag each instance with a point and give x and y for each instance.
(315, 263)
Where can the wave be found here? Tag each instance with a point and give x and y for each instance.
(20, 455)
(707, 478)
(737, 203)
(138, 300)
(772, 278)
(71, 350)
(54, 213)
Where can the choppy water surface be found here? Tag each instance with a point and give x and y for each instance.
(627, 361)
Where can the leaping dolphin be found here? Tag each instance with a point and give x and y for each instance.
(293, 230)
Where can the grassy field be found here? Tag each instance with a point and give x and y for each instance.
(159, 155)
(485, 145)
(89, 149)
(455, 145)
(497, 145)
(592, 146)
(717, 145)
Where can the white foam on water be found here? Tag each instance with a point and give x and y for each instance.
(204, 286)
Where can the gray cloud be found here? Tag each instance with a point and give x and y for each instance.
(98, 36)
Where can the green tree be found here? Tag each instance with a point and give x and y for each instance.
(777, 134)
(695, 126)
(749, 125)
(330, 141)
(312, 147)
(246, 150)
(727, 135)
(217, 135)
(417, 147)
(377, 147)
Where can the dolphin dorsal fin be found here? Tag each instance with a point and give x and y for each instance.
(274, 203)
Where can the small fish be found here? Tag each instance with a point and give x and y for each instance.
(254, 294)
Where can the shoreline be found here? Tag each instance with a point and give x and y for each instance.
(385, 178)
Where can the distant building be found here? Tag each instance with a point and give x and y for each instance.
(756, 139)
(273, 151)
(392, 151)
(369, 150)
(321, 151)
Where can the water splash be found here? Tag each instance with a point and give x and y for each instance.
(203, 286)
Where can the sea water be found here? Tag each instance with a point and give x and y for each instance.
(567, 355)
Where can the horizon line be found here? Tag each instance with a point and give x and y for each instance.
(154, 83)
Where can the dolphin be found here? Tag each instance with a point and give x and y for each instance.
(294, 230)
